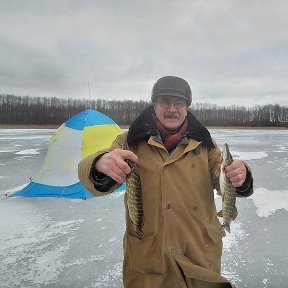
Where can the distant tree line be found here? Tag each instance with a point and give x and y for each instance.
(258, 116)
(54, 111)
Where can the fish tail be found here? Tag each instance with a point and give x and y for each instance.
(226, 226)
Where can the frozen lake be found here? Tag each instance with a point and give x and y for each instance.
(48, 242)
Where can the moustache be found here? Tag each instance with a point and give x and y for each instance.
(171, 116)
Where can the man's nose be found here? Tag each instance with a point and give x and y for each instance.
(172, 107)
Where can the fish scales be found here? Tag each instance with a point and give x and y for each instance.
(229, 209)
(134, 196)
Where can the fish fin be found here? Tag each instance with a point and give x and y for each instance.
(217, 173)
(220, 213)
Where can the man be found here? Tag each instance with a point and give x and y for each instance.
(179, 164)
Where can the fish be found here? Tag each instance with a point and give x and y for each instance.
(134, 196)
(228, 191)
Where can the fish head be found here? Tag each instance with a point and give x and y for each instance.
(226, 155)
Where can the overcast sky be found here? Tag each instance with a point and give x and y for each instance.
(231, 52)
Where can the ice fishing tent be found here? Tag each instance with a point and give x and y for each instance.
(77, 138)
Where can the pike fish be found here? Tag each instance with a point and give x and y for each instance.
(134, 196)
(229, 209)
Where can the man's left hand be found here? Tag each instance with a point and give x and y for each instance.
(236, 172)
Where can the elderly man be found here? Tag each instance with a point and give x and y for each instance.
(178, 163)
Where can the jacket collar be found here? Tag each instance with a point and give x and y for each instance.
(144, 127)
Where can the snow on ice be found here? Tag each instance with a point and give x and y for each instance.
(74, 243)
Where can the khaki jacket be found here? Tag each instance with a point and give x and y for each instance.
(182, 233)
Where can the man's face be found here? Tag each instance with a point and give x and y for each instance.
(170, 111)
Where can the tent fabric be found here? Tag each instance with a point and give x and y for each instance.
(77, 138)
(41, 190)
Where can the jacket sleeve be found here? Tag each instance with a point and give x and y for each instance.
(215, 159)
(98, 183)
(246, 189)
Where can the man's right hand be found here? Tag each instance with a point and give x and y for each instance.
(113, 164)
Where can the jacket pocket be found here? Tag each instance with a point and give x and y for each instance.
(145, 255)
(214, 246)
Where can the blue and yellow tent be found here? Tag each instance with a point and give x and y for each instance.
(77, 138)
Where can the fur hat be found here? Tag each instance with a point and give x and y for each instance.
(172, 86)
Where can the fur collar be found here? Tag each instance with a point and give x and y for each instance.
(144, 127)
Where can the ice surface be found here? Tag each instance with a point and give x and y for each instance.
(49, 242)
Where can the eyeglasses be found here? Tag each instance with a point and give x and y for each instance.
(167, 104)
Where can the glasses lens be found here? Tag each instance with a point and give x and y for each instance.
(179, 104)
(166, 104)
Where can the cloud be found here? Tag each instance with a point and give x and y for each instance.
(226, 50)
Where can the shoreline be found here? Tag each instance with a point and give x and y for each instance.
(247, 127)
(30, 126)
(35, 126)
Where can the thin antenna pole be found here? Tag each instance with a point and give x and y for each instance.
(89, 89)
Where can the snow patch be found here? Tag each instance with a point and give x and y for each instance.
(231, 239)
(8, 192)
(249, 155)
(84, 261)
(281, 148)
(22, 158)
(109, 278)
(113, 239)
(26, 137)
(231, 248)
(29, 152)
(268, 202)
